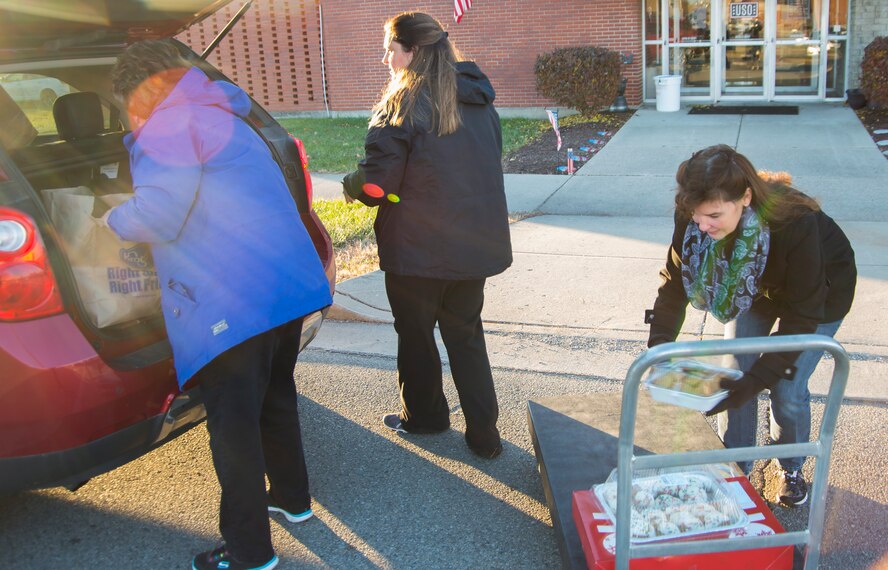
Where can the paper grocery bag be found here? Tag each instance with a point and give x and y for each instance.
(116, 278)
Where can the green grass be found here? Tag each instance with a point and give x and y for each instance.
(519, 132)
(351, 230)
(333, 145)
(345, 222)
(336, 145)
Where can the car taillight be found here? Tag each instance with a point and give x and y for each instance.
(28, 288)
(303, 158)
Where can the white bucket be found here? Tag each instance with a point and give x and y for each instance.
(668, 92)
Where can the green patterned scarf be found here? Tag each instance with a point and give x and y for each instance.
(722, 279)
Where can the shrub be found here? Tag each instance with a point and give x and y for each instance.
(874, 72)
(584, 78)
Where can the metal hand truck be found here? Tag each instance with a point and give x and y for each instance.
(820, 448)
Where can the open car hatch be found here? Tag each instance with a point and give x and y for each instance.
(36, 29)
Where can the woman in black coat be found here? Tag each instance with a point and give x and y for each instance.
(433, 167)
(756, 252)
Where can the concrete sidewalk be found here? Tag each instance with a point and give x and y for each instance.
(586, 267)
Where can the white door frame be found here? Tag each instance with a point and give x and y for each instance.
(820, 45)
(770, 44)
(764, 93)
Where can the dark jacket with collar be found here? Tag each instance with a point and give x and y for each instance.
(451, 221)
(809, 279)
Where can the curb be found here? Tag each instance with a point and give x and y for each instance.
(338, 312)
(361, 299)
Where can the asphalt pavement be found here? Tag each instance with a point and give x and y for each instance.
(586, 267)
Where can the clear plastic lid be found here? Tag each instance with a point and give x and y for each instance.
(676, 504)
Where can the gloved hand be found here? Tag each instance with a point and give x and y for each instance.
(739, 392)
(352, 184)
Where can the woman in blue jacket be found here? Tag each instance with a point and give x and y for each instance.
(238, 272)
(435, 148)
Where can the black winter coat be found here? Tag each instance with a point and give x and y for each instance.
(451, 221)
(809, 279)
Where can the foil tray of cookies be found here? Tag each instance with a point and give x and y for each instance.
(689, 383)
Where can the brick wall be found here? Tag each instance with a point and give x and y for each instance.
(275, 50)
(504, 37)
(869, 19)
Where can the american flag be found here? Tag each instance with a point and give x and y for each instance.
(460, 7)
(553, 118)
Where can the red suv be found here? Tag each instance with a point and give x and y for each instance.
(79, 397)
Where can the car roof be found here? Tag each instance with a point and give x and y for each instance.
(38, 29)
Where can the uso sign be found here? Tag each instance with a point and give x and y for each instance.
(744, 10)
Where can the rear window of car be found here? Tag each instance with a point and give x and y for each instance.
(34, 95)
(26, 109)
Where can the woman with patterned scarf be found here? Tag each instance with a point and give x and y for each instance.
(751, 249)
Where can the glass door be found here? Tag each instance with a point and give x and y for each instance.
(836, 48)
(688, 45)
(747, 49)
(654, 44)
(743, 49)
(797, 46)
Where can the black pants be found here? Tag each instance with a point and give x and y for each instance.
(253, 421)
(417, 304)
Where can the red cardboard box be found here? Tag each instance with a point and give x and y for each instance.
(597, 533)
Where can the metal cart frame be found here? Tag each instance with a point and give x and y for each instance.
(821, 448)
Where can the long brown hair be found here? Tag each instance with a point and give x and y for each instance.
(721, 173)
(431, 74)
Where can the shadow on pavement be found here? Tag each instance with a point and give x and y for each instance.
(405, 502)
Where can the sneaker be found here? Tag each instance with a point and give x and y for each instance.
(486, 453)
(792, 491)
(273, 507)
(220, 559)
(393, 422)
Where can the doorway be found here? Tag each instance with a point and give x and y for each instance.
(750, 50)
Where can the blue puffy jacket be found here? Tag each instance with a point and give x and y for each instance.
(233, 258)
